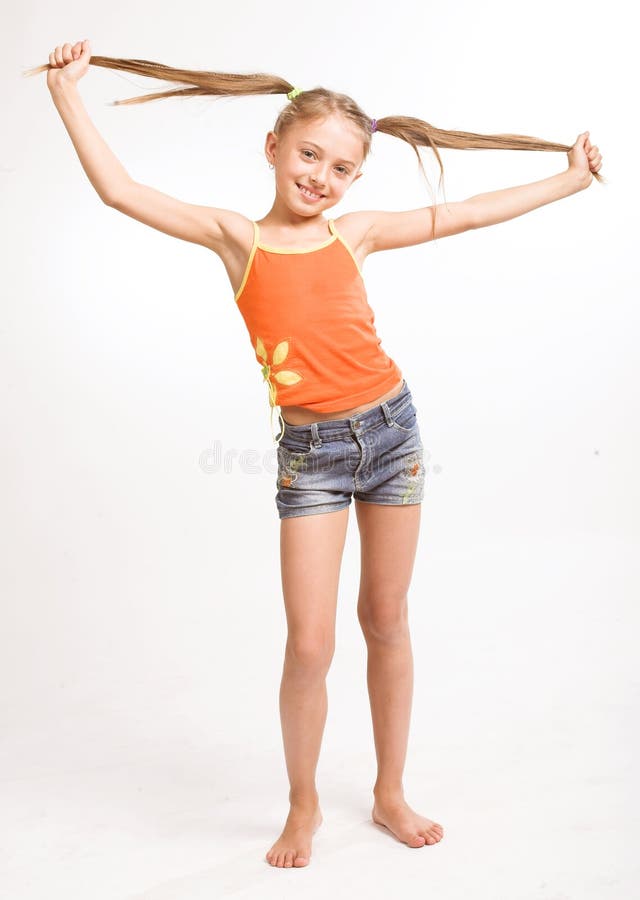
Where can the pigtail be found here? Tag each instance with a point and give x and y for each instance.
(317, 102)
(217, 84)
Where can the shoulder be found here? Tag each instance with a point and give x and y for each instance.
(355, 228)
(390, 230)
(233, 231)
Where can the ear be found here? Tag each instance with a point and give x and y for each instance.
(359, 175)
(270, 144)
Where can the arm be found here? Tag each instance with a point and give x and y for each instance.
(499, 206)
(389, 230)
(381, 230)
(103, 169)
(114, 186)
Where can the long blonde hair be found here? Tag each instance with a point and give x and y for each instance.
(318, 103)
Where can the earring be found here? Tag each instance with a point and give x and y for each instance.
(271, 166)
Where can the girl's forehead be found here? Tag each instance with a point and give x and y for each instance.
(331, 124)
(333, 130)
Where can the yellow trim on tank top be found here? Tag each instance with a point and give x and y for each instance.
(291, 250)
(334, 234)
(342, 241)
(247, 268)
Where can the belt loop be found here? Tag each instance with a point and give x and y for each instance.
(387, 413)
(316, 440)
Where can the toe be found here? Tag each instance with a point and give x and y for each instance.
(301, 861)
(288, 859)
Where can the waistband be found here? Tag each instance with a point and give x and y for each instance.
(333, 429)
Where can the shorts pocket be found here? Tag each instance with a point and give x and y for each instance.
(292, 464)
(405, 419)
(289, 447)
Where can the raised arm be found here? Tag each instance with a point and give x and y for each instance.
(499, 206)
(390, 230)
(113, 184)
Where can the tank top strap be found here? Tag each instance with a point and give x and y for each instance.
(331, 227)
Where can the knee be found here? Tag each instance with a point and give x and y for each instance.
(385, 621)
(310, 653)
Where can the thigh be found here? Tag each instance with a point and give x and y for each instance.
(311, 549)
(388, 543)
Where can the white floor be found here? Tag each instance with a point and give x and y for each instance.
(127, 778)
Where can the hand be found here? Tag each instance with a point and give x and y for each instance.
(68, 63)
(584, 159)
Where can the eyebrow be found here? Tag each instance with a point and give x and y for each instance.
(318, 147)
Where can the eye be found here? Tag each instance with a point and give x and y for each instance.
(344, 171)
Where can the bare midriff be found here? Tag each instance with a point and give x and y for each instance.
(300, 415)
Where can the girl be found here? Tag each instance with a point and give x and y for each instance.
(348, 422)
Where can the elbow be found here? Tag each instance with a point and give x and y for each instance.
(114, 196)
(475, 219)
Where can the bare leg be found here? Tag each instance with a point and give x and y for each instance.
(311, 553)
(388, 542)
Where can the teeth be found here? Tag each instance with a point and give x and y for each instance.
(308, 193)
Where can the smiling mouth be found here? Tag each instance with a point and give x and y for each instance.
(312, 194)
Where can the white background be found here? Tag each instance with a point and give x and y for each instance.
(142, 619)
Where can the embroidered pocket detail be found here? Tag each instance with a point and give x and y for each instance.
(414, 472)
(290, 464)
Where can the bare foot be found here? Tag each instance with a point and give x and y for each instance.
(411, 828)
(293, 847)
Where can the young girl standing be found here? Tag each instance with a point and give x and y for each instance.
(349, 426)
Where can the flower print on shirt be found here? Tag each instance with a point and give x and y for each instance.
(283, 376)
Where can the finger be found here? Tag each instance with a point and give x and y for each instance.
(58, 53)
(52, 60)
(66, 53)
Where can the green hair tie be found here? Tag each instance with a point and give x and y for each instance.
(294, 93)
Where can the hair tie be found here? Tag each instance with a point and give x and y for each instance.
(294, 93)
(374, 125)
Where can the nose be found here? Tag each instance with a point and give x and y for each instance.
(319, 179)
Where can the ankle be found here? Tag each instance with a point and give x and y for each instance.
(388, 791)
(304, 797)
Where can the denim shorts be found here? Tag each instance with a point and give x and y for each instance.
(375, 456)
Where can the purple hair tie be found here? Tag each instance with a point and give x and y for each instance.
(374, 125)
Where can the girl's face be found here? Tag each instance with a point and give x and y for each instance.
(315, 162)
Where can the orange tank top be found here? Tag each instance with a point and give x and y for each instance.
(312, 328)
